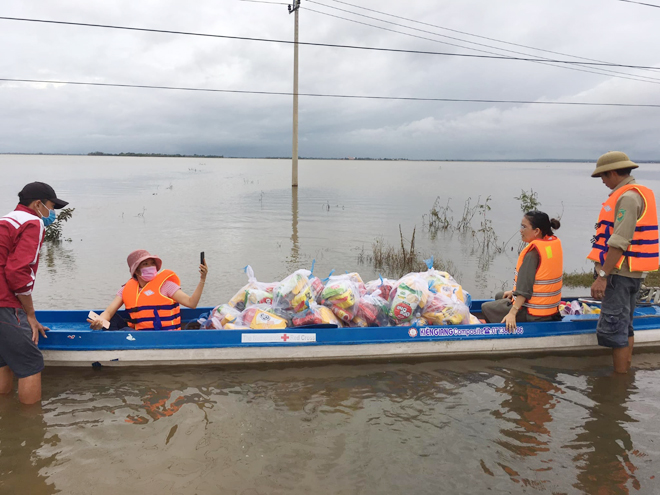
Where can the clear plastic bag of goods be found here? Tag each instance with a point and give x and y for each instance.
(577, 308)
(418, 321)
(357, 281)
(443, 282)
(383, 285)
(286, 314)
(359, 322)
(443, 310)
(254, 292)
(236, 326)
(238, 299)
(590, 310)
(373, 311)
(294, 292)
(258, 296)
(415, 321)
(222, 315)
(261, 318)
(315, 314)
(310, 316)
(342, 296)
(455, 292)
(329, 317)
(572, 308)
(316, 285)
(474, 320)
(433, 311)
(408, 298)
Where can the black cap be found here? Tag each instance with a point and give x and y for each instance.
(41, 190)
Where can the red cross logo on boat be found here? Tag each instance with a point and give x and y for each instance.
(285, 337)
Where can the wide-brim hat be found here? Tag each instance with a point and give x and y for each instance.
(136, 257)
(613, 160)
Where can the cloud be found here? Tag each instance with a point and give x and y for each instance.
(78, 119)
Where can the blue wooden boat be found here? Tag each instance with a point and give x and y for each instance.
(70, 342)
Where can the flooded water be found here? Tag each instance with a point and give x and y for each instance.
(552, 425)
(242, 212)
(544, 425)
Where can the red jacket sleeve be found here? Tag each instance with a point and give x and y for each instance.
(21, 268)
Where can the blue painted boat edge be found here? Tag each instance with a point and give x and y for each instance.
(70, 339)
(196, 339)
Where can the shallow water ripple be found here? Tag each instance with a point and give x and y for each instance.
(508, 426)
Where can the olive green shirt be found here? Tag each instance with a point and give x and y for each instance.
(629, 208)
(495, 311)
(527, 274)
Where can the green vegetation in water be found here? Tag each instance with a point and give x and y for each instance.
(488, 239)
(585, 279)
(395, 261)
(578, 279)
(440, 219)
(529, 201)
(54, 231)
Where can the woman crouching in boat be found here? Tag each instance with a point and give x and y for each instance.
(151, 297)
(538, 281)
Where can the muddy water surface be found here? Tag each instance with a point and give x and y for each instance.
(551, 425)
(546, 425)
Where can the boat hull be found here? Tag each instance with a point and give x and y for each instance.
(71, 343)
(457, 349)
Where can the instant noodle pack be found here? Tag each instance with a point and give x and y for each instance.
(417, 299)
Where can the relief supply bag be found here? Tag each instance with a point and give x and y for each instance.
(408, 298)
(294, 292)
(262, 317)
(254, 292)
(342, 296)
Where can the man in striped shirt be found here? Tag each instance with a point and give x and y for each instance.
(21, 236)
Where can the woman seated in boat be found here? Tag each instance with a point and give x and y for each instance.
(538, 281)
(151, 297)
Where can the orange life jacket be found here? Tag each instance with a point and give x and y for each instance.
(548, 279)
(148, 308)
(642, 253)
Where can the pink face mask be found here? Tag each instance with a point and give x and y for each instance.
(148, 273)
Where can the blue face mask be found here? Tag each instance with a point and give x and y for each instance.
(50, 219)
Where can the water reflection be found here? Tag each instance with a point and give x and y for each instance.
(22, 435)
(528, 410)
(157, 404)
(606, 464)
(57, 255)
(526, 413)
(294, 258)
(479, 426)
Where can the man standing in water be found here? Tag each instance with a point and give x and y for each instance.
(624, 247)
(21, 235)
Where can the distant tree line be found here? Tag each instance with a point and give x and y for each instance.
(158, 155)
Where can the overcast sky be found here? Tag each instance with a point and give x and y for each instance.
(52, 118)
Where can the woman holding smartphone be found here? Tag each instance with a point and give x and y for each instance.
(152, 297)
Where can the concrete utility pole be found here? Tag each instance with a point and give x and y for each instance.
(295, 8)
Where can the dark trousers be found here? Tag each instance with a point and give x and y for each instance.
(616, 316)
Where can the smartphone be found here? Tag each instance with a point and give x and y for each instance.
(201, 257)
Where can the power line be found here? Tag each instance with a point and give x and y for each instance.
(641, 3)
(458, 39)
(322, 95)
(601, 72)
(466, 33)
(326, 45)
